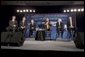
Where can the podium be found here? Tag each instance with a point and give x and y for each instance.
(12, 38)
(40, 35)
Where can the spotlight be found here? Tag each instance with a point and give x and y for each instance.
(79, 10)
(30, 10)
(64, 11)
(20, 10)
(17, 10)
(75, 10)
(67, 10)
(71, 10)
(33, 10)
(82, 9)
(24, 10)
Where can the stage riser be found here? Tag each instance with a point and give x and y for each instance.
(9, 38)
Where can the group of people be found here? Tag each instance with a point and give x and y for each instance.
(13, 25)
(69, 26)
(61, 27)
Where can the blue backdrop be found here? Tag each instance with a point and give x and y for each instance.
(40, 18)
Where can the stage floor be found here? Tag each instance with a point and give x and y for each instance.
(32, 44)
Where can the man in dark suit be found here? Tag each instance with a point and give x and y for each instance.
(59, 26)
(13, 25)
(32, 27)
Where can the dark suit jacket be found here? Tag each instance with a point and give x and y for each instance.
(61, 25)
(33, 26)
(11, 23)
(22, 24)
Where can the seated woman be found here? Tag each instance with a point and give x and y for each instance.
(65, 32)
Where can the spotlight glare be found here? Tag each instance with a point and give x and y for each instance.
(17, 10)
(30, 10)
(75, 10)
(71, 10)
(33, 10)
(79, 10)
(82, 9)
(20, 10)
(67, 10)
(24, 10)
(64, 11)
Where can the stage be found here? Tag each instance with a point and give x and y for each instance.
(52, 45)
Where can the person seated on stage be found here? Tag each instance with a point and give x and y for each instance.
(23, 24)
(47, 25)
(13, 25)
(59, 26)
(65, 27)
(32, 27)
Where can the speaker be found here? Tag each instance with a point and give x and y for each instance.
(12, 38)
(79, 40)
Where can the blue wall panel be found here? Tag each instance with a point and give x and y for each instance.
(40, 18)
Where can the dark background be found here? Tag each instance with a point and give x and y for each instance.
(8, 10)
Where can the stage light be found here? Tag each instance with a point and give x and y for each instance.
(79, 10)
(30, 10)
(17, 10)
(71, 10)
(75, 10)
(67, 10)
(82, 9)
(64, 11)
(33, 10)
(20, 10)
(24, 10)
